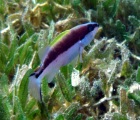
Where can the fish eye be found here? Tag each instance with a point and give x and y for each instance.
(92, 26)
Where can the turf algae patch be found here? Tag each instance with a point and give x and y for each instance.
(11, 63)
(138, 75)
(134, 93)
(18, 111)
(23, 89)
(45, 90)
(64, 88)
(4, 107)
(60, 117)
(70, 112)
(117, 116)
(3, 53)
(29, 106)
(126, 69)
(4, 83)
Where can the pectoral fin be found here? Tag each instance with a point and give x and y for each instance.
(81, 51)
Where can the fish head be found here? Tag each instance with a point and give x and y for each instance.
(87, 32)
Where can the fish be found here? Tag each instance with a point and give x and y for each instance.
(65, 48)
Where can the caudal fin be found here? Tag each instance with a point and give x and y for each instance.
(35, 87)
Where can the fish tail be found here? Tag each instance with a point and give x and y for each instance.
(34, 87)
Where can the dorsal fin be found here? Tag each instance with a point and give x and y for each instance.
(59, 37)
(43, 52)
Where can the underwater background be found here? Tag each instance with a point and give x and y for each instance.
(109, 87)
